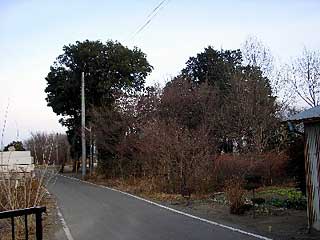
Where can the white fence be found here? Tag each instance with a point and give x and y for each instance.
(16, 161)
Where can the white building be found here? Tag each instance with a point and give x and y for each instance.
(16, 161)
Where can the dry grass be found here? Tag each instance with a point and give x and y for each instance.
(22, 190)
(49, 223)
(143, 187)
(132, 185)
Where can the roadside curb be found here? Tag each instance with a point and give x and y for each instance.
(172, 210)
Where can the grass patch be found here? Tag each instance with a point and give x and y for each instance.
(284, 197)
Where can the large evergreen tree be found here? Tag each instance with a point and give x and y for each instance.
(213, 66)
(110, 69)
(233, 100)
(18, 146)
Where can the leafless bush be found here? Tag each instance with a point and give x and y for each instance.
(176, 156)
(176, 138)
(20, 190)
(235, 194)
(271, 166)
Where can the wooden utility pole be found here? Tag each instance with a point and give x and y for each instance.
(83, 126)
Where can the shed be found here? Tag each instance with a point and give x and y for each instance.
(311, 121)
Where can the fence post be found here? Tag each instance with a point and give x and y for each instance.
(39, 225)
(26, 230)
(12, 228)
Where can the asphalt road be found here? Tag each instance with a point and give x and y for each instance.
(93, 212)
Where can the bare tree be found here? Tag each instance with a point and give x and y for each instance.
(303, 77)
(255, 53)
(45, 148)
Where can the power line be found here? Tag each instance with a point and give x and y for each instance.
(151, 16)
(156, 8)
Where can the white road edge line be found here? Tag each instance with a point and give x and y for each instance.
(63, 222)
(173, 210)
(64, 225)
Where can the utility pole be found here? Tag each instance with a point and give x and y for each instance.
(83, 126)
(57, 149)
(91, 152)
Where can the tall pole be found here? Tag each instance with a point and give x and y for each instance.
(83, 127)
(91, 153)
(57, 149)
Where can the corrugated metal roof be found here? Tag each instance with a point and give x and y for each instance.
(310, 114)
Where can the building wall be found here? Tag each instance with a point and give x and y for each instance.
(312, 165)
(16, 161)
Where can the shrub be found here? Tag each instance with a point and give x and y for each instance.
(295, 167)
(270, 166)
(286, 198)
(176, 157)
(235, 195)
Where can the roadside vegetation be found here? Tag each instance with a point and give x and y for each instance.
(204, 135)
(217, 122)
(24, 189)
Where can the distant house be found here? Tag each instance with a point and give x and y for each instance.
(311, 121)
(16, 161)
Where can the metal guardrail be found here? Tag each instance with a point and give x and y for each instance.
(37, 211)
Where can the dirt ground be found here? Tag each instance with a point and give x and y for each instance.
(282, 224)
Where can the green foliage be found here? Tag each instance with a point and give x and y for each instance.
(110, 69)
(213, 66)
(234, 101)
(18, 145)
(286, 198)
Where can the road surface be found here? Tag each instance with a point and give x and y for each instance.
(93, 212)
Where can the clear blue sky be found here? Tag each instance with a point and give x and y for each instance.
(33, 32)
